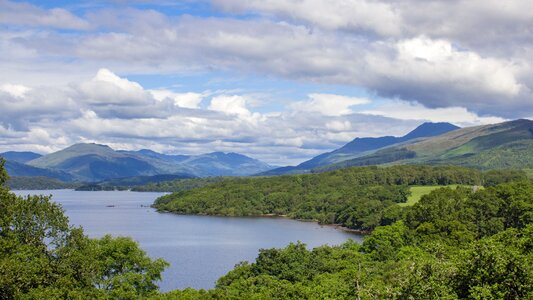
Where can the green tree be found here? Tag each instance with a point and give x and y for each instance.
(41, 256)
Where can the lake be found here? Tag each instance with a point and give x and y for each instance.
(199, 249)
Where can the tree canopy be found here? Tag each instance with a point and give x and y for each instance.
(42, 256)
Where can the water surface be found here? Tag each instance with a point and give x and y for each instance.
(199, 249)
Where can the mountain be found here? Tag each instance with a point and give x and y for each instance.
(21, 157)
(495, 146)
(226, 164)
(209, 164)
(14, 169)
(363, 146)
(157, 155)
(94, 163)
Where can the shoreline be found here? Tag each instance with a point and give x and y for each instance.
(335, 226)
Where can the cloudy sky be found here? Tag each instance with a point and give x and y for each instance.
(279, 80)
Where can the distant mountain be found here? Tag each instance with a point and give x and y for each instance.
(93, 163)
(14, 168)
(495, 146)
(210, 164)
(160, 156)
(21, 157)
(363, 146)
(226, 164)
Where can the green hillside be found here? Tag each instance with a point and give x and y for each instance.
(38, 183)
(506, 145)
(358, 198)
(94, 162)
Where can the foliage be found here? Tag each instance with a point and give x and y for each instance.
(455, 243)
(41, 256)
(452, 244)
(358, 198)
(177, 185)
(38, 183)
(3, 174)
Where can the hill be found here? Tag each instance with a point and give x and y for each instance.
(495, 146)
(94, 163)
(38, 183)
(358, 198)
(363, 146)
(14, 168)
(21, 157)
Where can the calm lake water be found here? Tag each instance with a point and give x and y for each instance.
(199, 249)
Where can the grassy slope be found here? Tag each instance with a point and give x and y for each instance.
(500, 146)
(418, 191)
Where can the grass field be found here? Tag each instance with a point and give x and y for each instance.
(418, 191)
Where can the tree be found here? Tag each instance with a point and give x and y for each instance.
(41, 256)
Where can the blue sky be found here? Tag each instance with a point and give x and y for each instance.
(281, 81)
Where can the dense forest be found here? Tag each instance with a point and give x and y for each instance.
(43, 257)
(456, 243)
(453, 244)
(359, 198)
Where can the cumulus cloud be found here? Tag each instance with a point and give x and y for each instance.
(107, 88)
(433, 71)
(437, 74)
(328, 104)
(414, 111)
(27, 14)
(15, 90)
(359, 15)
(187, 100)
(466, 60)
(45, 119)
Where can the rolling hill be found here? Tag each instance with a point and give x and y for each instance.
(21, 157)
(14, 168)
(94, 163)
(495, 146)
(364, 146)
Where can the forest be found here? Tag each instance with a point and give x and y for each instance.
(453, 244)
(459, 243)
(358, 198)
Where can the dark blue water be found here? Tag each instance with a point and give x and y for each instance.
(200, 249)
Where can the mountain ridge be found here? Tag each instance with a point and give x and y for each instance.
(494, 146)
(20, 156)
(361, 146)
(90, 162)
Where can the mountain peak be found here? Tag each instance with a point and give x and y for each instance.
(88, 146)
(428, 129)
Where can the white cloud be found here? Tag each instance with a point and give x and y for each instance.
(236, 105)
(15, 90)
(187, 100)
(441, 62)
(108, 88)
(413, 111)
(425, 62)
(339, 125)
(230, 104)
(465, 61)
(351, 15)
(27, 14)
(328, 104)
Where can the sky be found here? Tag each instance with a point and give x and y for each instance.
(280, 81)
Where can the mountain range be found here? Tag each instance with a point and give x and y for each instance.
(507, 145)
(94, 162)
(364, 146)
(495, 146)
